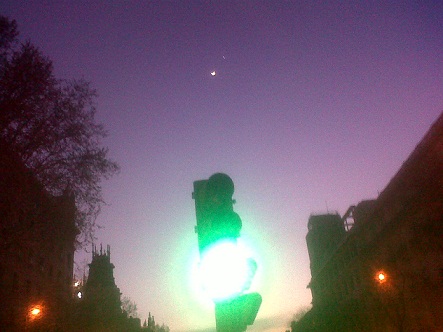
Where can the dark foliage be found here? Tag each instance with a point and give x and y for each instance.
(50, 123)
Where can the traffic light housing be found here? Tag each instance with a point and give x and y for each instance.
(216, 219)
(227, 273)
(238, 313)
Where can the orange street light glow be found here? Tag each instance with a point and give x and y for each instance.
(35, 311)
(381, 277)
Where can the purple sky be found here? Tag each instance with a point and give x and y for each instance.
(314, 107)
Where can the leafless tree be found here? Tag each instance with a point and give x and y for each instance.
(50, 124)
(129, 306)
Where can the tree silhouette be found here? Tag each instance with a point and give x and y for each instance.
(301, 312)
(129, 306)
(49, 123)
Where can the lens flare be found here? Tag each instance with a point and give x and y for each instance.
(224, 271)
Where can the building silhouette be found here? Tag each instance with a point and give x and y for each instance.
(37, 244)
(100, 288)
(380, 266)
(99, 308)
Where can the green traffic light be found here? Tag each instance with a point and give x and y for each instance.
(236, 314)
(225, 270)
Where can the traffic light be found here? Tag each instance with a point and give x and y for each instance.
(236, 314)
(225, 270)
(216, 219)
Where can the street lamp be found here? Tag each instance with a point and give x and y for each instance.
(78, 290)
(381, 277)
(35, 312)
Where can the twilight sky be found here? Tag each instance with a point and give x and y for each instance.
(314, 107)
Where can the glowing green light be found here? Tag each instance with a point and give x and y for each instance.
(224, 271)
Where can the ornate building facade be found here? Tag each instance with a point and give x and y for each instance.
(380, 266)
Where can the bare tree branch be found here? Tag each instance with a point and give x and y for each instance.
(50, 124)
